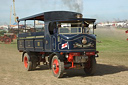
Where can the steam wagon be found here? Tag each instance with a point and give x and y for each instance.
(62, 41)
(7, 38)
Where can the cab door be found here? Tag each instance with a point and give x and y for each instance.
(50, 38)
(47, 43)
(47, 39)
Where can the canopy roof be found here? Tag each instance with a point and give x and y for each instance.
(34, 17)
(58, 16)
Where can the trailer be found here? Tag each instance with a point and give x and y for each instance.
(64, 42)
(7, 38)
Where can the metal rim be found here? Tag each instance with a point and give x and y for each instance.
(55, 66)
(25, 61)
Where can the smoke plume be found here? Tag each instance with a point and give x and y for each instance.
(74, 5)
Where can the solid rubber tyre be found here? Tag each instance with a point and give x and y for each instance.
(90, 66)
(27, 63)
(34, 62)
(57, 67)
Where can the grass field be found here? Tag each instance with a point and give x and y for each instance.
(112, 64)
(113, 46)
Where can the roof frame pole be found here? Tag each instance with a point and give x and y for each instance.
(18, 27)
(83, 30)
(25, 25)
(93, 27)
(34, 26)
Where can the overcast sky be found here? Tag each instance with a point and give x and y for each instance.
(102, 10)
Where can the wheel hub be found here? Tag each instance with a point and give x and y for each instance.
(54, 66)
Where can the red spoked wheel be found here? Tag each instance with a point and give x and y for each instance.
(90, 66)
(7, 40)
(57, 67)
(27, 63)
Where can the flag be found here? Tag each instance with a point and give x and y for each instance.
(64, 45)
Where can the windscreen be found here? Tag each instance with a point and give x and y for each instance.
(75, 28)
(70, 28)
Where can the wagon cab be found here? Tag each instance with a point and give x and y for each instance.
(60, 39)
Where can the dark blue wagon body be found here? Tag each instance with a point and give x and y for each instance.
(45, 42)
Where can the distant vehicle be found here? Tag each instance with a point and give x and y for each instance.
(7, 38)
(64, 42)
(126, 32)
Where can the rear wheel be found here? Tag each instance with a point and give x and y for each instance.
(57, 67)
(29, 64)
(7, 40)
(90, 66)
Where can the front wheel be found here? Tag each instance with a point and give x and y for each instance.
(57, 67)
(90, 66)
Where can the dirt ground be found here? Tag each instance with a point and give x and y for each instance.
(12, 72)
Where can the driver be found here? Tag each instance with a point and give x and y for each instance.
(86, 27)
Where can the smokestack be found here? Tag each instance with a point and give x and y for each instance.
(74, 5)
